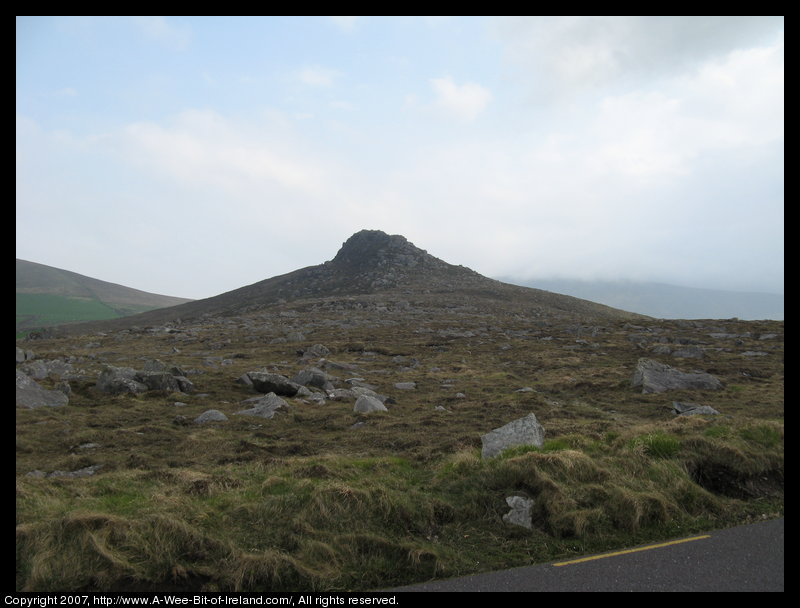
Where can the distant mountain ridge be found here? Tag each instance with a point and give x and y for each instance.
(374, 265)
(49, 296)
(665, 301)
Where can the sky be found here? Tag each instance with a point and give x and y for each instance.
(189, 156)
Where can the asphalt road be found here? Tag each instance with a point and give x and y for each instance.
(745, 558)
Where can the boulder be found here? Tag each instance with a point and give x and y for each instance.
(184, 384)
(265, 382)
(119, 380)
(318, 351)
(264, 407)
(366, 404)
(361, 390)
(656, 377)
(210, 416)
(31, 395)
(520, 513)
(342, 394)
(692, 409)
(524, 431)
(312, 376)
(158, 381)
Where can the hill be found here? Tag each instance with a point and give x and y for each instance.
(49, 296)
(664, 301)
(375, 268)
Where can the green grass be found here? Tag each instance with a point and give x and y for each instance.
(40, 309)
(657, 445)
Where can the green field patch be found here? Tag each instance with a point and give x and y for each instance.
(43, 309)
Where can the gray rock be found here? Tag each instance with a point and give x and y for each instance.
(312, 376)
(316, 398)
(264, 407)
(119, 380)
(154, 365)
(405, 386)
(360, 383)
(524, 431)
(689, 352)
(317, 351)
(211, 416)
(244, 379)
(328, 364)
(656, 377)
(264, 382)
(520, 513)
(184, 384)
(30, 394)
(366, 404)
(342, 394)
(41, 368)
(691, 409)
(361, 390)
(158, 381)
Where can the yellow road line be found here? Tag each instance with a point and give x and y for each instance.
(626, 551)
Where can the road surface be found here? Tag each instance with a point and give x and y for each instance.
(744, 558)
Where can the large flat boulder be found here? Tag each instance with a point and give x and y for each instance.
(656, 377)
(265, 382)
(366, 404)
(264, 407)
(30, 394)
(524, 431)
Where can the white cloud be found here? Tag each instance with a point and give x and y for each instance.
(563, 55)
(346, 24)
(176, 37)
(203, 148)
(465, 101)
(317, 76)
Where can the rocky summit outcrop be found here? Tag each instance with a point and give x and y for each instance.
(372, 263)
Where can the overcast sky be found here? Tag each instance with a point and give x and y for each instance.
(191, 156)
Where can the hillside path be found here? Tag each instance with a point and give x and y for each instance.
(744, 558)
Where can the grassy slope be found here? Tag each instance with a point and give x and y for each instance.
(51, 309)
(49, 296)
(305, 501)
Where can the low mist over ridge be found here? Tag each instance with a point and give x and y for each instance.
(666, 301)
